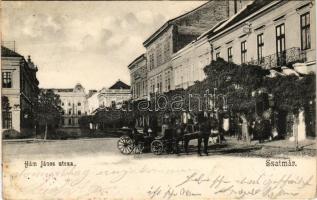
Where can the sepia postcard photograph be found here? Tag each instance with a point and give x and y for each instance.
(158, 100)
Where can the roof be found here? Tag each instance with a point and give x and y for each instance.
(135, 60)
(120, 85)
(6, 52)
(199, 38)
(168, 23)
(244, 13)
(59, 89)
(92, 93)
(212, 29)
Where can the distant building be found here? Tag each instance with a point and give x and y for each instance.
(115, 95)
(19, 91)
(138, 75)
(74, 103)
(93, 101)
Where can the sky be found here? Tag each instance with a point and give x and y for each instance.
(91, 43)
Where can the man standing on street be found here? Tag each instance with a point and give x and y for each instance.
(203, 134)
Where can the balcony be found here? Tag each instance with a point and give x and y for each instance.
(284, 58)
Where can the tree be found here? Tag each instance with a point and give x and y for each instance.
(48, 109)
(236, 83)
(231, 87)
(293, 94)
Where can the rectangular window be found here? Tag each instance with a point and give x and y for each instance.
(159, 56)
(165, 80)
(167, 49)
(280, 45)
(235, 6)
(260, 44)
(6, 79)
(79, 112)
(70, 111)
(6, 120)
(305, 31)
(145, 88)
(217, 55)
(153, 85)
(151, 61)
(168, 81)
(230, 54)
(243, 52)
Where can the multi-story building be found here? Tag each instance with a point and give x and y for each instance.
(74, 103)
(93, 102)
(138, 75)
(174, 35)
(269, 33)
(188, 63)
(19, 91)
(115, 95)
(274, 35)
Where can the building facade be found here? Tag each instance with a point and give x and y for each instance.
(138, 76)
(270, 34)
(19, 91)
(188, 63)
(74, 103)
(277, 35)
(115, 95)
(173, 36)
(93, 102)
(250, 35)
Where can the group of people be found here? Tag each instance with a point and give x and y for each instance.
(200, 128)
(203, 127)
(259, 128)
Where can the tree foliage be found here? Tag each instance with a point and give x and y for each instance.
(238, 83)
(292, 93)
(48, 109)
(233, 82)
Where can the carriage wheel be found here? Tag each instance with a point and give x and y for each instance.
(125, 144)
(157, 147)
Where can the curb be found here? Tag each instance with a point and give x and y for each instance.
(301, 147)
(42, 140)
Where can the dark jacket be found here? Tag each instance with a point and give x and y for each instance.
(205, 128)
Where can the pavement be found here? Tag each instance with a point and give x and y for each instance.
(304, 144)
(108, 146)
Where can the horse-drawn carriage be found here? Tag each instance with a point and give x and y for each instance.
(168, 142)
(133, 140)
